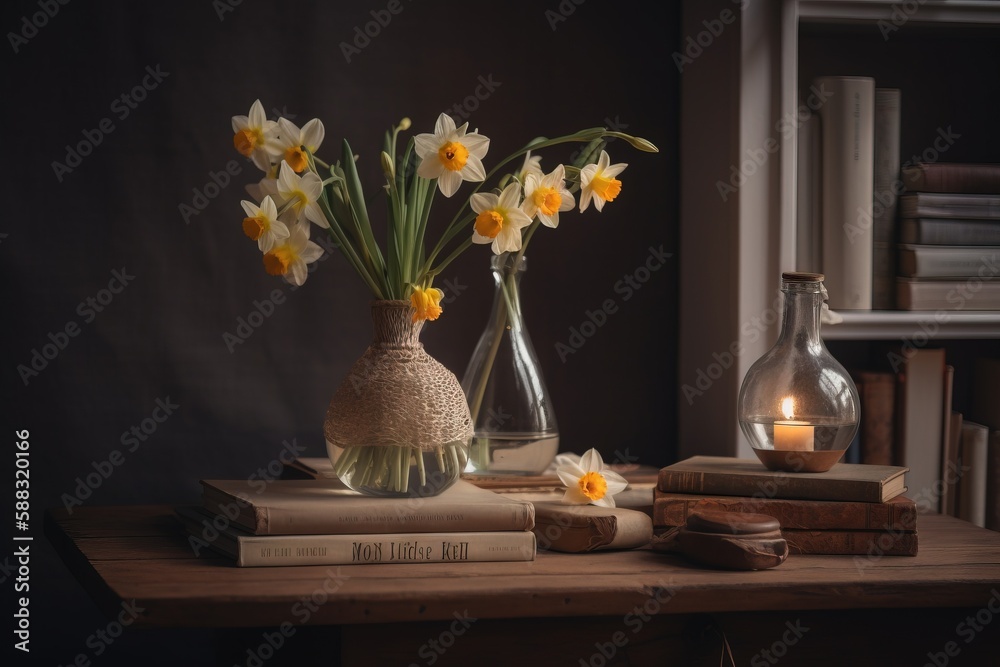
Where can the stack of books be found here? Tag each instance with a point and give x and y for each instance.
(949, 237)
(321, 522)
(852, 509)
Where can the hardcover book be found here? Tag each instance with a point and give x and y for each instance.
(948, 261)
(920, 432)
(249, 550)
(947, 205)
(952, 177)
(955, 294)
(323, 506)
(584, 528)
(851, 542)
(848, 181)
(975, 460)
(877, 390)
(899, 513)
(723, 475)
(942, 231)
(886, 188)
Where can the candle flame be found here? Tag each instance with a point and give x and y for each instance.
(788, 407)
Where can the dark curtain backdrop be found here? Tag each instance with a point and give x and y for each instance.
(103, 273)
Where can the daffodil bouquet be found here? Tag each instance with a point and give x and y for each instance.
(299, 190)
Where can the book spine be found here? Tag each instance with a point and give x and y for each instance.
(993, 482)
(931, 231)
(972, 486)
(878, 405)
(948, 294)
(953, 178)
(788, 485)
(848, 179)
(809, 213)
(917, 261)
(851, 542)
(282, 550)
(473, 517)
(932, 205)
(887, 187)
(671, 510)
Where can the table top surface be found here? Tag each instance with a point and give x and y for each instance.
(141, 553)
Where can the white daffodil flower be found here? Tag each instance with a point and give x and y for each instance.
(500, 219)
(590, 482)
(262, 224)
(598, 181)
(290, 259)
(254, 136)
(290, 141)
(302, 194)
(450, 155)
(546, 195)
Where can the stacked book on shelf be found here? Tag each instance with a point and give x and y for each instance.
(321, 522)
(852, 509)
(908, 419)
(949, 237)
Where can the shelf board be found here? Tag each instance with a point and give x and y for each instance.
(868, 11)
(890, 324)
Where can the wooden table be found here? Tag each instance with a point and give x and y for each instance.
(633, 607)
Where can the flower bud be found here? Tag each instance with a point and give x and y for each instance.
(404, 124)
(387, 166)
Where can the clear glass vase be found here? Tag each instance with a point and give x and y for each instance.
(797, 406)
(399, 424)
(515, 429)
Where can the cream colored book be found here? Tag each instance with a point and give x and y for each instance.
(326, 507)
(249, 550)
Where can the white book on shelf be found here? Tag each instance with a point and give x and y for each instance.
(974, 461)
(808, 249)
(920, 431)
(848, 182)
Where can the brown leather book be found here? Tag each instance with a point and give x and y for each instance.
(878, 415)
(873, 543)
(900, 513)
(583, 528)
(728, 476)
(952, 177)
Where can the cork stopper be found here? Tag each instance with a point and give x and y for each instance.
(802, 277)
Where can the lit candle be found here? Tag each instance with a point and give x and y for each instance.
(793, 435)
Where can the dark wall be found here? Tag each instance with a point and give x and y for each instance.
(116, 215)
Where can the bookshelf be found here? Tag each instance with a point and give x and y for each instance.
(758, 66)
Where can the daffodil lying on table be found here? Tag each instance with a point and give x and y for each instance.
(590, 481)
(299, 190)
